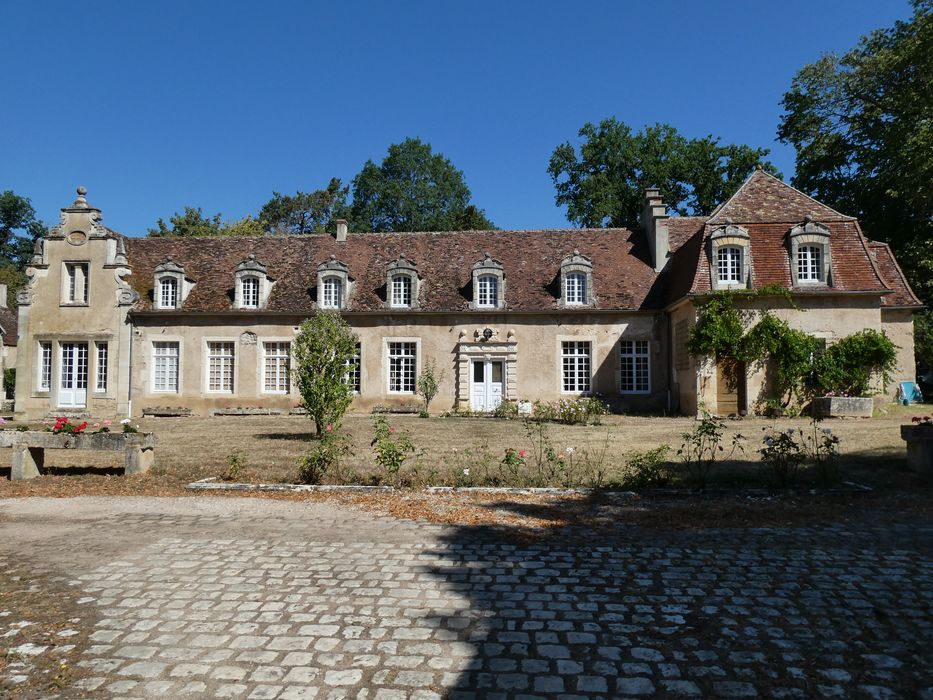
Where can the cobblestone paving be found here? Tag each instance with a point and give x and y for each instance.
(417, 611)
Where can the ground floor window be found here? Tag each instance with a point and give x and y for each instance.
(275, 367)
(165, 366)
(220, 360)
(353, 374)
(403, 357)
(575, 363)
(635, 374)
(45, 367)
(100, 383)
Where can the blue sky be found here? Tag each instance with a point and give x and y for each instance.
(154, 106)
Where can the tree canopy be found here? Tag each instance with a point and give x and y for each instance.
(193, 223)
(413, 189)
(19, 229)
(862, 126)
(305, 212)
(603, 183)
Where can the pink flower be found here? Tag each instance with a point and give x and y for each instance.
(391, 429)
(521, 453)
(329, 429)
(107, 423)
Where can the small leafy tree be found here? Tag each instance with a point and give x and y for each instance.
(323, 354)
(428, 384)
(847, 367)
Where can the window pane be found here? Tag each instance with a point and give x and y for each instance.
(635, 366)
(497, 372)
(249, 294)
(402, 361)
(45, 366)
(401, 290)
(353, 374)
(275, 367)
(488, 291)
(575, 363)
(220, 367)
(101, 383)
(168, 293)
(576, 288)
(479, 372)
(333, 293)
(165, 366)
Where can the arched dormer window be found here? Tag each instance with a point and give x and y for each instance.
(170, 286)
(333, 284)
(488, 284)
(402, 284)
(252, 284)
(576, 280)
(810, 254)
(729, 257)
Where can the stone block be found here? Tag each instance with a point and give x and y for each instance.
(842, 407)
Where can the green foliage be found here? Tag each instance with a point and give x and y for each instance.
(390, 447)
(846, 368)
(579, 411)
(604, 184)
(719, 329)
(192, 223)
(428, 384)
(791, 352)
(14, 278)
(247, 226)
(9, 382)
(236, 463)
(323, 351)
(305, 212)
(702, 447)
(786, 451)
(783, 454)
(324, 456)
(19, 228)
(647, 469)
(413, 189)
(506, 409)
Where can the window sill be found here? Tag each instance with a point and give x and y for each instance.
(73, 304)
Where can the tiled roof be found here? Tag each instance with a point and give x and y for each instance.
(902, 294)
(852, 269)
(622, 274)
(763, 198)
(9, 324)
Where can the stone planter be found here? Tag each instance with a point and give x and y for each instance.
(29, 448)
(919, 439)
(842, 407)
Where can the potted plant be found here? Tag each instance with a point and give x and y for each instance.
(919, 438)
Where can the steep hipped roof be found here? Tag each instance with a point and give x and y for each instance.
(763, 198)
(623, 277)
(893, 276)
(8, 323)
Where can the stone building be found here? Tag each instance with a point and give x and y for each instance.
(115, 326)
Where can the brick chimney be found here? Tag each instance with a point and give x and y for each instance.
(654, 222)
(341, 230)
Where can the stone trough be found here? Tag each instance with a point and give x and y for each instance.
(29, 448)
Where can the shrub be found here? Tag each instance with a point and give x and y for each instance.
(391, 448)
(9, 382)
(236, 462)
(783, 454)
(428, 384)
(647, 469)
(325, 455)
(570, 411)
(702, 447)
(846, 368)
(506, 409)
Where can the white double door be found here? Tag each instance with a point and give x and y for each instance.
(72, 386)
(486, 384)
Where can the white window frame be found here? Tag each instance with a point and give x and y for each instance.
(77, 288)
(563, 348)
(575, 286)
(416, 343)
(487, 293)
(729, 259)
(281, 373)
(44, 366)
(101, 362)
(250, 291)
(402, 292)
(154, 350)
(809, 264)
(330, 299)
(355, 377)
(208, 342)
(168, 287)
(630, 352)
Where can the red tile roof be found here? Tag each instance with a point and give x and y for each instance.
(9, 324)
(763, 198)
(893, 276)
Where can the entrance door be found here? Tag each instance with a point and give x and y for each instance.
(486, 385)
(72, 392)
(730, 386)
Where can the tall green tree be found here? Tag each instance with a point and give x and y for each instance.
(305, 212)
(323, 353)
(603, 183)
(193, 224)
(19, 229)
(413, 189)
(862, 126)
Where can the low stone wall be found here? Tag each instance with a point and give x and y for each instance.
(842, 407)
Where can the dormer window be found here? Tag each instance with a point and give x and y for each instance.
(729, 257)
(576, 280)
(729, 264)
(332, 295)
(402, 284)
(810, 256)
(249, 292)
(253, 284)
(488, 284)
(168, 293)
(171, 286)
(488, 293)
(333, 284)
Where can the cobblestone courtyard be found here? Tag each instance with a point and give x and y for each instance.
(240, 598)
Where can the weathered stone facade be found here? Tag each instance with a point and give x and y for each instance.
(115, 326)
